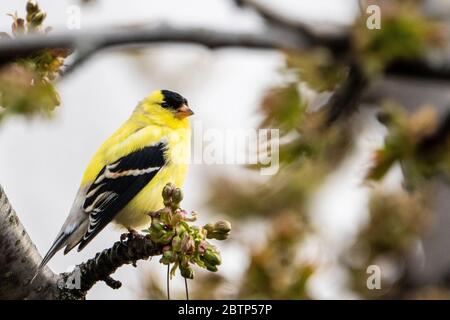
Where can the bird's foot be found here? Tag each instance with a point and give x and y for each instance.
(132, 234)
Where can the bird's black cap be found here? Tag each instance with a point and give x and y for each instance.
(173, 100)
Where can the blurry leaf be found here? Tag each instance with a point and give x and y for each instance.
(25, 86)
(383, 162)
(405, 34)
(396, 221)
(282, 109)
(317, 68)
(274, 271)
(287, 190)
(21, 92)
(403, 145)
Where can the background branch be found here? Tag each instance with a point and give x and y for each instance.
(336, 38)
(300, 37)
(87, 44)
(346, 98)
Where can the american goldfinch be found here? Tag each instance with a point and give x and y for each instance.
(125, 177)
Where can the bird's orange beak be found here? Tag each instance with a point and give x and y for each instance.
(183, 112)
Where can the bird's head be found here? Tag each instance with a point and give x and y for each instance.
(165, 107)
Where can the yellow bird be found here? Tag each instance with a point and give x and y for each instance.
(125, 177)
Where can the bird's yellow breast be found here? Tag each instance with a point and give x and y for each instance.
(135, 214)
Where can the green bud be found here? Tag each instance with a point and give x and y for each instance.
(167, 192)
(38, 18)
(212, 257)
(209, 227)
(169, 257)
(219, 230)
(181, 229)
(187, 272)
(155, 236)
(167, 203)
(166, 238)
(32, 6)
(177, 195)
(219, 236)
(166, 217)
(176, 243)
(223, 226)
(156, 226)
(211, 267)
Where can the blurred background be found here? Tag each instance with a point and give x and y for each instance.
(340, 201)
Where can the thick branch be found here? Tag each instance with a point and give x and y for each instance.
(19, 260)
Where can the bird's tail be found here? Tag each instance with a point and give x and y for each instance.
(57, 245)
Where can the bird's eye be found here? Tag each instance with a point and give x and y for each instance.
(165, 105)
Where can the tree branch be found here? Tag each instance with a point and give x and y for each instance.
(19, 260)
(347, 97)
(300, 38)
(335, 38)
(105, 263)
(438, 140)
(88, 44)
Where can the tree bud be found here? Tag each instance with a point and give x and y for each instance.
(212, 257)
(177, 195)
(167, 192)
(187, 272)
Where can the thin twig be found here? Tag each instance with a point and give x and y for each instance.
(186, 288)
(336, 37)
(168, 282)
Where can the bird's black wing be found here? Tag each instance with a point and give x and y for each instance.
(117, 184)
